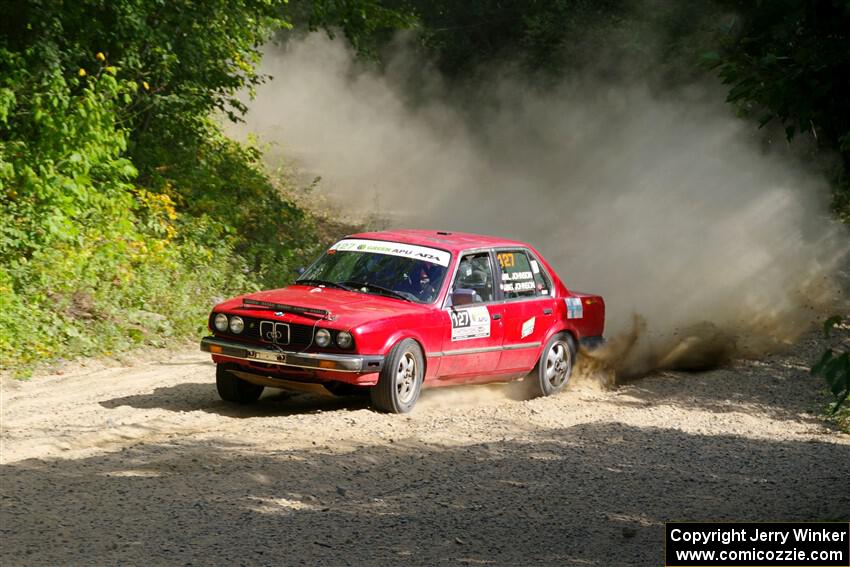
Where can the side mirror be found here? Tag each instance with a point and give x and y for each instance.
(462, 296)
(301, 270)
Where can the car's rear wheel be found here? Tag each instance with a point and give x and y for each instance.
(555, 367)
(400, 381)
(231, 388)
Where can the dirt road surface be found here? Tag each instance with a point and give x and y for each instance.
(142, 464)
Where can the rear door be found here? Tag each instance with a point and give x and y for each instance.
(529, 308)
(472, 321)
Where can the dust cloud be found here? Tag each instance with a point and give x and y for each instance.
(666, 204)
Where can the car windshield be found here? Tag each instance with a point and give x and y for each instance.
(404, 271)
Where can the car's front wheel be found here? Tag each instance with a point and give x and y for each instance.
(232, 388)
(555, 366)
(400, 381)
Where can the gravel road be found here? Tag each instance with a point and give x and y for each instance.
(141, 464)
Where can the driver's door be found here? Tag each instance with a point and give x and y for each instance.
(472, 320)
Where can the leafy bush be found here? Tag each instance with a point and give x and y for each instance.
(786, 62)
(834, 366)
(124, 211)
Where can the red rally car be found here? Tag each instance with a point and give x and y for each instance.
(391, 312)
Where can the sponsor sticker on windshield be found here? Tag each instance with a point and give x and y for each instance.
(411, 251)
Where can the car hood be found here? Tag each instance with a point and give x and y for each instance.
(346, 309)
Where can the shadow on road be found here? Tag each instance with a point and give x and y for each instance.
(202, 396)
(786, 393)
(593, 494)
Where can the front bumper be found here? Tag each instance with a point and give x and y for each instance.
(357, 363)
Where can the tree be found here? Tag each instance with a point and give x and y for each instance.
(122, 206)
(789, 61)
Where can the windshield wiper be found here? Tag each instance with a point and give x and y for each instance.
(312, 281)
(378, 288)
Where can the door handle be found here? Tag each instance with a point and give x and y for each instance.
(497, 316)
(547, 311)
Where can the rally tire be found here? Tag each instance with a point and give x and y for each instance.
(555, 367)
(231, 388)
(400, 381)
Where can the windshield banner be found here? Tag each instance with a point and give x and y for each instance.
(412, 251)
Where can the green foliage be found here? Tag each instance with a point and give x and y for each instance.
(554, 38)
(465, 36)
(123, 209)
(789, 61)
(189, 58)
(834, 366)
(366, 24)
(60, 161)
(222, 187)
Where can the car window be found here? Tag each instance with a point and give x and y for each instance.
(384, 268)
(475, 274)
(541, 281)
(520, 275)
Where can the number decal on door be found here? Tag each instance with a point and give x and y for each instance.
(460, 319)
(472, 323)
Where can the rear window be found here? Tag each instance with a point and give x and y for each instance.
(521, 275)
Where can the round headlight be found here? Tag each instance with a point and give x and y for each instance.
(323, 337)
(344, 340)
(236, 324)
(220, 322)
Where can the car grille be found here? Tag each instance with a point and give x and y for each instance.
(300, 336)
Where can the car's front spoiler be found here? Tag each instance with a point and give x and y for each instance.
(272, 355)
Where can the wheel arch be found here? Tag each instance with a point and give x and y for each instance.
(571, 331)
(385, 394)
(399, 336)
